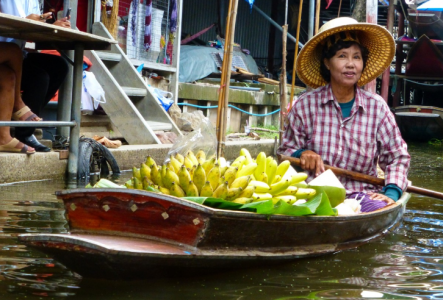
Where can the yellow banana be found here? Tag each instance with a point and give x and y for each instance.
(136, 173)
(129, 184)
(179, 157)
(221, 180)
(305, 193)
(277, 178)
(261, 165)
(201, 156)
(271, 169)
(288, 199)
(176, 190)
(247, 192)
(279, 187)
(192, 190)
(223, 170)
(192, 157)
(291, 190)
(241, 182)
(137, 183)
(150, 161)
(214, 176)
(244, 152)
(164, 190)
(163, 172)
(169, 178)
(199, 177)
(233, 193)
(282, 168)
(177, 165)
(191, 172)
(209, 164)
(238, 162)
(188, 162)
(206, 190)
(242, 200)
(299, 177)
(156, 176)
(261, 196)
(183, 177)
(145, 171)
(230, 174)
(247, 170)
(260, 187)
(222, 162)
(146, 182)
(264, 177)
(171, 167)
(221, 191)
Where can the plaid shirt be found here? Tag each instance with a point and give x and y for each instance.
(369, 135)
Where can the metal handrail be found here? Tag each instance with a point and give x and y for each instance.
(38, 124)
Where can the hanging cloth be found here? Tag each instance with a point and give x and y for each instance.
(133, 25)
(148, 25)
(173, 19)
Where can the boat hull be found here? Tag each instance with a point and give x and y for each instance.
(221, 239)
(428, 23)
(420, 123)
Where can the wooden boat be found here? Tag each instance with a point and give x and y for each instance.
(134, 233)
(420, 123)
(426, 22)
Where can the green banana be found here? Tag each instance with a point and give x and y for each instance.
(137, 183)
(136, 173)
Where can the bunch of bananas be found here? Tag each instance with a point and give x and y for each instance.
(244, 181)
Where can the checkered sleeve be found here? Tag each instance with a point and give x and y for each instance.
(394, 158)
(294, 135)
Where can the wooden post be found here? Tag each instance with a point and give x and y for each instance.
(294, 69)
(317, 16)
(387, 73)
(223, 98)
(399, 59)
(371, 17)
(283, 86)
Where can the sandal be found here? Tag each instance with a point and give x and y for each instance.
(11, 147)
(21, 112)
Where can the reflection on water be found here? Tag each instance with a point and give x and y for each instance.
(407, 264)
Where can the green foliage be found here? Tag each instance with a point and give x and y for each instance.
(436, 142)
(265, 134)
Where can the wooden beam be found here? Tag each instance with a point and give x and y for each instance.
(371, 17)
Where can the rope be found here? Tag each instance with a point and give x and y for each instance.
(232, 106)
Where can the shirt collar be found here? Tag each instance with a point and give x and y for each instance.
(329, 96)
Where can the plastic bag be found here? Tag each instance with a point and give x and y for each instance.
(165, 99)
(203, 138)
(92, 93)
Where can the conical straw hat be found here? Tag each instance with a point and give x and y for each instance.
(375, 38)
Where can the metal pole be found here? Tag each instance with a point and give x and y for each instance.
(371, 17)
(75, 112)
(276, 24)
(294, 68)
(387, 73)
(311, 19)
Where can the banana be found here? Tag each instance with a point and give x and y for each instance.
(150, 161)
(136, 173)
(244, 152)
(291, 190)
(222, 162)
(129, 184)
(223, 170)
(192, 157)
(260, 187)
(271, 169)
(163, 172)
(179, 157)
(247, 192)
(305, 193)
(199, 177)
(282, 168)
(233, 193)
(221, 180)
(176, 190)
(171, 167)
(192, 190)
(242, 200)
(261, 165)
(221, 191)
(177, 165)
(206, 190)
(247, 170)
(288, 199)
(241, 182)
(277, 178)
(261, 196)
(191, 172)
(188, 162)
(279, 187)
(214, 176)
(300, 185)
(156, 176)
(209, 164)
(238, 162)
(164, 190)
(230, 174)
(299, 177)
(146, 182)
(169, 178)
(264, 177)
(145, 171)
(137, 183)
(201, 156)
(183, 177)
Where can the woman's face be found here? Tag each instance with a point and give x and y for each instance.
(345, 66)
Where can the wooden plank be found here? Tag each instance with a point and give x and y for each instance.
(109, 56)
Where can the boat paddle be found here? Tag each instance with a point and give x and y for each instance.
(366, 178)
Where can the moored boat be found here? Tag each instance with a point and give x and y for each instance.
(133, 233)
(420, 123)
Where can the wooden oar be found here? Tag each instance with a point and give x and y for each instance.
(366, 178)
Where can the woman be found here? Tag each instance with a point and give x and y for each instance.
(340, 124)
(41, 76)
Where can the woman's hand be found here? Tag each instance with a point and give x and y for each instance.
(381, 197)
(40, 18)
(63, 22)
(311, 161)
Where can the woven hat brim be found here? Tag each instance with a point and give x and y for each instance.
(375, 38)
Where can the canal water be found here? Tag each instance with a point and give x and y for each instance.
(406, 264)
